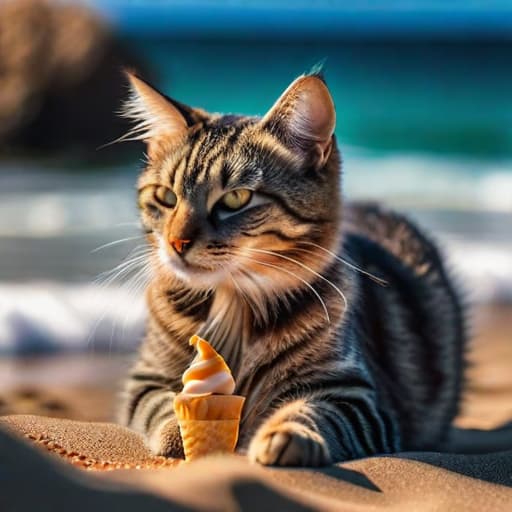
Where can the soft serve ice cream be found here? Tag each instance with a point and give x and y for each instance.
(208, 372)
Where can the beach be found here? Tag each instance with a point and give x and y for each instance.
(122, 474)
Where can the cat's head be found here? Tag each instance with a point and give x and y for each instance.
(219, 194)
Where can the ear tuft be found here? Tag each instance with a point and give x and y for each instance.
(154, 114)
(304, 118)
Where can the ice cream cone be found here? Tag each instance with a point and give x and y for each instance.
(208, 413)
(208, 423)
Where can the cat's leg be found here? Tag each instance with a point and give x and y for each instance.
(147, 403)
(320, 431)
(148, 409)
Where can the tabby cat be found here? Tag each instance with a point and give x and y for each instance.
(338, 320)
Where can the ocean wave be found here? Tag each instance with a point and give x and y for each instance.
(429, 181)
(52, 317)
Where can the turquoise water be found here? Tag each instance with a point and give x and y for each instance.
(393, 96)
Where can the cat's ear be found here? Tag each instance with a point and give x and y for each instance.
(304, 118)
(157, 118)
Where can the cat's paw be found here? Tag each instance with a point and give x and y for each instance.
(166, 440)
(289, 444)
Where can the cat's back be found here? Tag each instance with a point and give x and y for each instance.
(369, 225)
(412, 319)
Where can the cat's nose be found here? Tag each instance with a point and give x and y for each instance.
(179, 245)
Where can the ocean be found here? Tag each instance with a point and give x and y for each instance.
(424, 128)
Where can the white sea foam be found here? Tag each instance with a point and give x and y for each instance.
(49, 316)
(41, 316)
(428, 181)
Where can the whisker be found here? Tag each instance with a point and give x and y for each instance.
(270, 265)
(138, 253)
(137, 224)
(134, 286)
(314, 272)
(378, 280)
(122, 269)
(115, 242)
(136, 257)
(258, 307)
(240, 290)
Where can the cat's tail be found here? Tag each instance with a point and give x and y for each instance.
(478, 441)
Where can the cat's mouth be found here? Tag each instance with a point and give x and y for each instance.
(197, 275)
(192, 268)
(192, 272)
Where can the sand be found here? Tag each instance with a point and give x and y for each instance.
(32, 479)
(79, 465)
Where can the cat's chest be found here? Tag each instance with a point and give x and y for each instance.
(244, 356)
(254, 354)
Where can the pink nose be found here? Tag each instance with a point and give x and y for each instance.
(179, 245)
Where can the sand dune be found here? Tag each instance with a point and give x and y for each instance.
(33, 480)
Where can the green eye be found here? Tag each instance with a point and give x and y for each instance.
(165, 196)
(236, 199)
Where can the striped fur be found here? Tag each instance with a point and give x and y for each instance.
(334, 363)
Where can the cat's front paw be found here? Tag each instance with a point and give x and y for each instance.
(289, 444)
(166, 440)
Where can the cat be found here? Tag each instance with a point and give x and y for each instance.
(338, 319)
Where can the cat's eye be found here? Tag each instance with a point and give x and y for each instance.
(152, 198)
(236, 199)
(147, 197)
(165, 196)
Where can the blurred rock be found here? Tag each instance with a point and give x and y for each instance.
(60, 78)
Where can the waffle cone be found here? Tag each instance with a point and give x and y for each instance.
(208, 423)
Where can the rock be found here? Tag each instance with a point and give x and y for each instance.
(60, 78)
